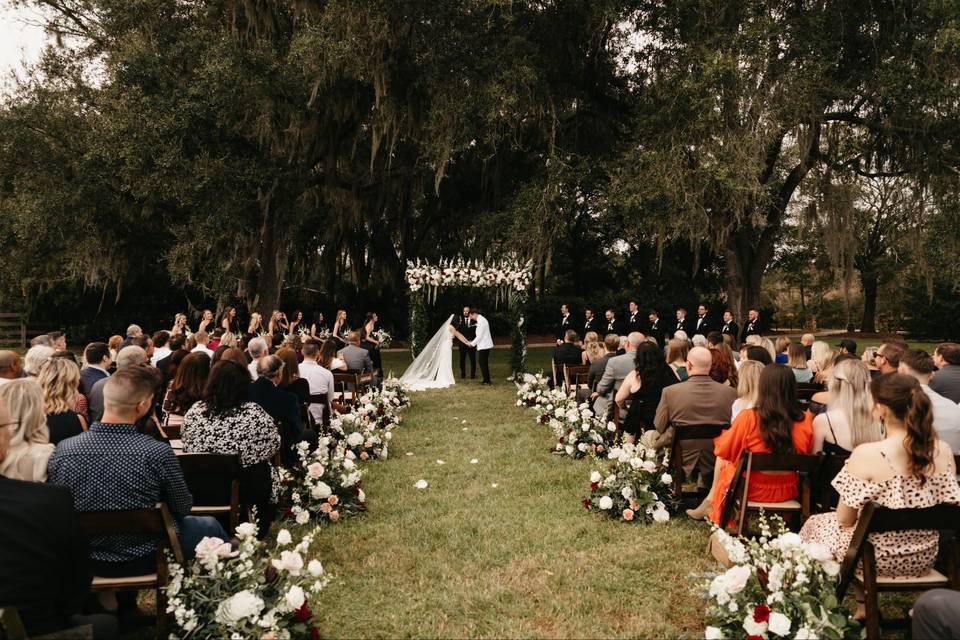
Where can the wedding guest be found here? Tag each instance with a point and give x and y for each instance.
(357, 358)
(161, 349)
(127, 357)
(755, 353)
(591, 322)
(328, 357)
(180, 327)
(730, 328)
(682, 324)
(807, 341)
(229, 324)
(747, 387)
(281, 405)
(44, 558)
(917, 364)
(133, 332)
(797, 361)
(780, 349)
(936, 614)
(233, 354)
(592, 348)
(655, 329)
(699, 340)
(35, 359)
(677, 350)
(114, 343)
(722, 368)
(614, 373)
(202, 340)
(568, 352)
(255, 327)
(186, 389)
(767, 344)
(634, 322)
(560, 329)
(611, 342)
(754, 326)
(277, 327)
(888, 357)
(257, 348)
(643, 387)
(319, 327)
(10, 366)
(42, 340)
(821, 361)
(290, 379)
(699, 400)
(848, 420)
(59, 380)
(776, 425)
(167, 366)
(869, 358)
(30, 447)
(298, 324)
(340, 327)
(369, 342)
(946, 381)
(908, 468)
(321, 379)
(207, 322)
(58, 340)
(848, 346)
(113, 467)
(225, 422)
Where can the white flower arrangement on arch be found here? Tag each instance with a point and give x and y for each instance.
(510, 275)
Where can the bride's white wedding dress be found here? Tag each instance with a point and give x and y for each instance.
(433, 368)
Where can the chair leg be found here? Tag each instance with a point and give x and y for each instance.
(870, 595)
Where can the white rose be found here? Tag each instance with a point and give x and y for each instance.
(361, 496)
(712, 633)
(666, 478)
(246, 529)
(237, 607)
(779, 624)
(315, 470)
(735, 579)
(606, 502)
(661, 515)
(595, 477)
(283, 537)
(209, 550)
(817, 551)
(611, 426)
(627, 493)
(585, 427)
(348, 462)
(303, 517)
(321, 491)
(635, 463)
(290, 561)
(569, 449)
(649, 466)
(295, 598)
(315, 568)
(754, 628)
(582, 447)
(803, 633)
(355, 439)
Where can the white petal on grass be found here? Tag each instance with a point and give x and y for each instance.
(494, 485)
(409, 453)
(474, 461)
(441, 462)
(464, 429)
(421, 484)
(463, 422)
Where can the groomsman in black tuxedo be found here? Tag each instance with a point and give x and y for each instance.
(754, 326)
(468, 328)
(655, 329)
(591, 322)
(634, 321)
(683, 324)
(566, 322)
(704, 323)
(612, 325)
(729, 326)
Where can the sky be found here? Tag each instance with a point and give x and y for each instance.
(20, 41)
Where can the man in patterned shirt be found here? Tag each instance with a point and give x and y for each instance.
(112, 467)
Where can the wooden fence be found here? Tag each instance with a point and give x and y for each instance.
(13, 331)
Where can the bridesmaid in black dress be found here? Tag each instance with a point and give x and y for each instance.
(370, 343)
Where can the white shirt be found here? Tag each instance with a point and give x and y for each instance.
(202, 349)
(252, 368)
(159, 354)
(739, 405)
(336, 364)
(321, 382)
(946, 418)
(483, 341)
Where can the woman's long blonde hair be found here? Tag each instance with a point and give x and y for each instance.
(850, 387)
(822, 355)
(24, 401)
(749, 383)
(59, 378)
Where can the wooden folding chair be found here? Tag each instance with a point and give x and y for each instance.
(349, 384)
(824, 497)
(681, 433)
(737, 498)
(806, 391)
(154, 521)
(170, 430)
(570, 373)
(214, 480)
(876, 519)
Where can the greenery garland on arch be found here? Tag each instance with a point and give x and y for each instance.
(510, 280)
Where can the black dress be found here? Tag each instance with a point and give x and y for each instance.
(832, 448)
(63, 425)
(372, 348)
(643, 405)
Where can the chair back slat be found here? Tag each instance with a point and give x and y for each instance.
(697, 431)
(801, 463)
(153, 521)
(214, 480)
(825, 497)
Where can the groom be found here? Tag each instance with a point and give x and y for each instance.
(483, 342)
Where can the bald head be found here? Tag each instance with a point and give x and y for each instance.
(9, 365)
(700, 360)
(634, 340)
(131, 356)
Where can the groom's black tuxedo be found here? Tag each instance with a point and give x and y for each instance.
(469, 330)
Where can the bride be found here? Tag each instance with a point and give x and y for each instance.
(433, 368)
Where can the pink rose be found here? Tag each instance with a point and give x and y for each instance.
(315, 470)
(364, 456)
(628, 514)
(326, 508)
(333, 500)
(334, 516)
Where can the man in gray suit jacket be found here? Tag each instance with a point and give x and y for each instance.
(699, 400)
(946, 381)
(618, 367)
(356, 356)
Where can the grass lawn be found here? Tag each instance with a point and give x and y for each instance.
(522, 559)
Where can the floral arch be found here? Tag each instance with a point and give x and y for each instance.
(509, 279)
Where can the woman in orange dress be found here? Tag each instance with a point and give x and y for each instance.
(776, 425)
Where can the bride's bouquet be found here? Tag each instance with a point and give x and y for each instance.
(325, 485)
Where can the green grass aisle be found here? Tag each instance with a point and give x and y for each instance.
(465, 558)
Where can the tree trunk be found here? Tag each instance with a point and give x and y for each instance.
(271, 253)
(747, 254)
(868, 324)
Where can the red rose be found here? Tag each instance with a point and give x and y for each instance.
(594, 486)
(314, 633)
(587, 503)
(303, 613)
(761, 613)
(754, 637)
(270, 574)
